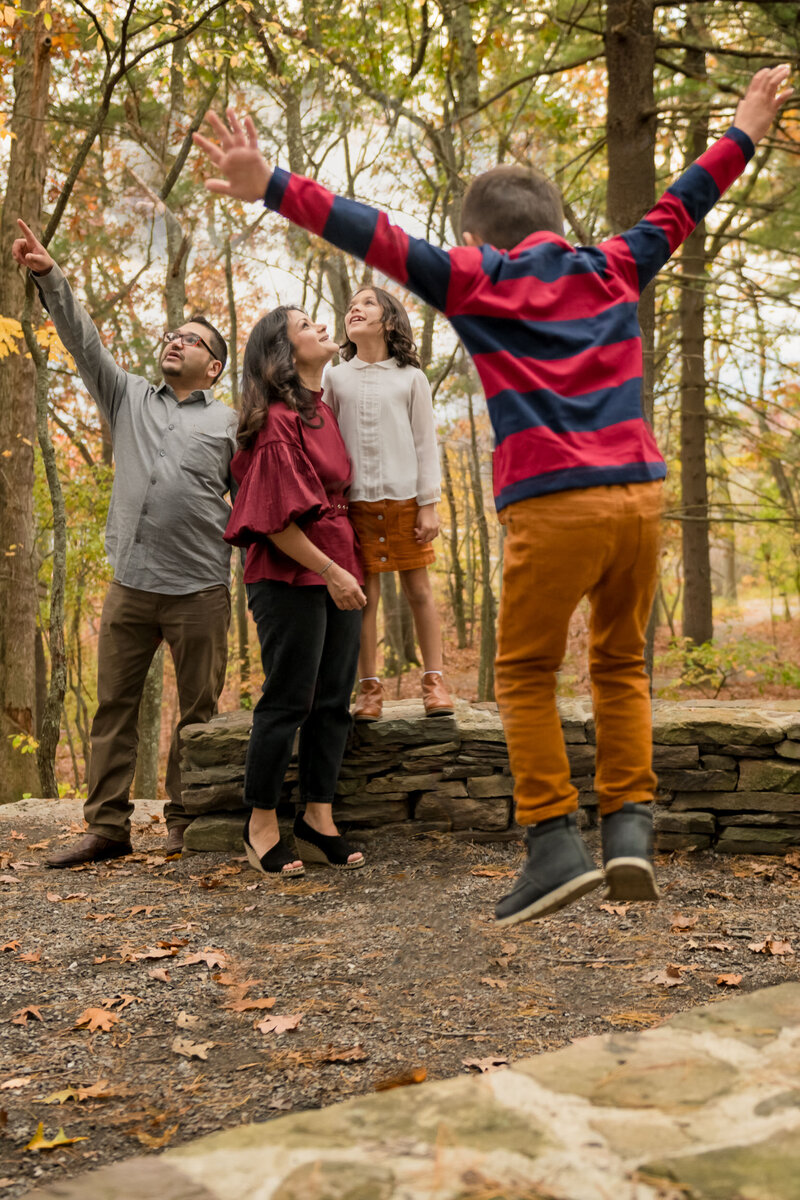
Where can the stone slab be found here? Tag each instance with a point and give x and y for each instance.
(738, 801)
(703, 1107)
(219, 833)
(755, 776)
(737, 839)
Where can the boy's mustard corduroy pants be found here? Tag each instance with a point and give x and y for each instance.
(600, 542)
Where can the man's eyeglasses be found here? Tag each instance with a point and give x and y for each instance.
(187, 339)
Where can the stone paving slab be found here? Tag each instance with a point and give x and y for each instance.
(703, 1107)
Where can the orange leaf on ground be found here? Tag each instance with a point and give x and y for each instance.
(415, 1075)
(21, 1016)
(279, 1024)
(156, 1143)
(13, 1084)
(96, 1018)
(160, 973)
(494, 983)
(669, 977)
(10, 946)
(40, 1142)
(493, 872)
(211, 958)
(617, 910)
(681, 923)
(250, 1005)
(32, 957)
(728, 980)
(772, 946)
(332, 1055)
(190, 1049)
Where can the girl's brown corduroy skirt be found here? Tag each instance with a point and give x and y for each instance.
(385, 530)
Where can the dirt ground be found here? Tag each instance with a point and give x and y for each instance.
(142, 1000)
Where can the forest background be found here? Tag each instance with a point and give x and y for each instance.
(398, 103)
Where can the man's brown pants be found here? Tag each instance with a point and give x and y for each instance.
(133, 624)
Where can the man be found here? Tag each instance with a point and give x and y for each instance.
(173, 444)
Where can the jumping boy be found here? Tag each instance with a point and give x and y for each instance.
(554, 335)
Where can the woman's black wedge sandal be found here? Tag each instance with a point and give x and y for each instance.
(330, 851)
(274, 861)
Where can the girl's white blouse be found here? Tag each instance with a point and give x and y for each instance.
(385, 413)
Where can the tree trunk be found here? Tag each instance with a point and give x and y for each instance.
(488, 647)
(697, 608)
(240, 595)
(394, 659)
(455, 578)
(145, 781)
(23, 197)
(631, 135)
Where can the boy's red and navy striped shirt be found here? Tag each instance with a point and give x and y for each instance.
(552, 328)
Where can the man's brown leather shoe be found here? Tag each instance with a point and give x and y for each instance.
(369, 701)
(435, 696)
(89, 849)
(175, 839)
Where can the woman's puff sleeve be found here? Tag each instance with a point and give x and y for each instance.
(280, 486)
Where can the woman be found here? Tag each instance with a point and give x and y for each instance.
(303, 578)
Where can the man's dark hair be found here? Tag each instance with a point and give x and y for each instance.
(505, 205)
(219, 347)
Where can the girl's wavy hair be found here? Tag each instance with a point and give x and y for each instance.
(269, 374)
(397, 327)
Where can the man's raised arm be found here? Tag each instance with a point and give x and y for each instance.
(104, 380)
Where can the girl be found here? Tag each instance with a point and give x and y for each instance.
(383, 403)
(303, 578)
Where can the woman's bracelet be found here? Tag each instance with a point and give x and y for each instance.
(328, 564)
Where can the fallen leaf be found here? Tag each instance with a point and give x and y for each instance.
(182, 1045)
(102, 1090)
(147, 909)
(680, 923)
(10, 947)
(121, 1002)
(12, 1084)
(415, 1075)
(40, 845)
(211, 958)
(771, 946)
(720, 946)
(493, 872)
(792, 859)
(508, 948)
(96, 1018)
(185, 1021)
(494, 983)
(155, 1143)
(40, 1142)
(485, 1065)
(669, 977)
(99, 917)
(250, 1005)
(8, 879)
(32, 957)
(331, 1055)
(279, 1024)
(21, 1016)
(616, 910)
(160, 973)
(728, 980)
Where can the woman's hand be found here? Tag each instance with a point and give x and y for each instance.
(427, 524)
(344, 588)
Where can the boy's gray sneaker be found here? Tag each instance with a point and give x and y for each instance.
(559, 870)
(627, 837)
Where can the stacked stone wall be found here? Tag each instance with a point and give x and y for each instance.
(728, 774)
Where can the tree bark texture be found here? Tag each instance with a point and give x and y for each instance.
(698, 623)
(488, 647)
(18, 561)
(455, 578)
(630, 44)
(145, 781)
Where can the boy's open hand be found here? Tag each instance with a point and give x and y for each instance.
(238, 157)
(762, 101)
(29, 252)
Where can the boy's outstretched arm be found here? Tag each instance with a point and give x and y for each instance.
(659, 234)
(356, 228)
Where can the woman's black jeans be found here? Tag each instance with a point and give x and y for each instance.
(309, 650)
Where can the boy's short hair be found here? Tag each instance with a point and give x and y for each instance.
(505, 205)
(219, 347)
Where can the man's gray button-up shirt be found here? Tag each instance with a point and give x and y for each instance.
(172, 463)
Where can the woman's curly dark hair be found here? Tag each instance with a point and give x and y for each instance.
(269, 374)
(397, 327)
